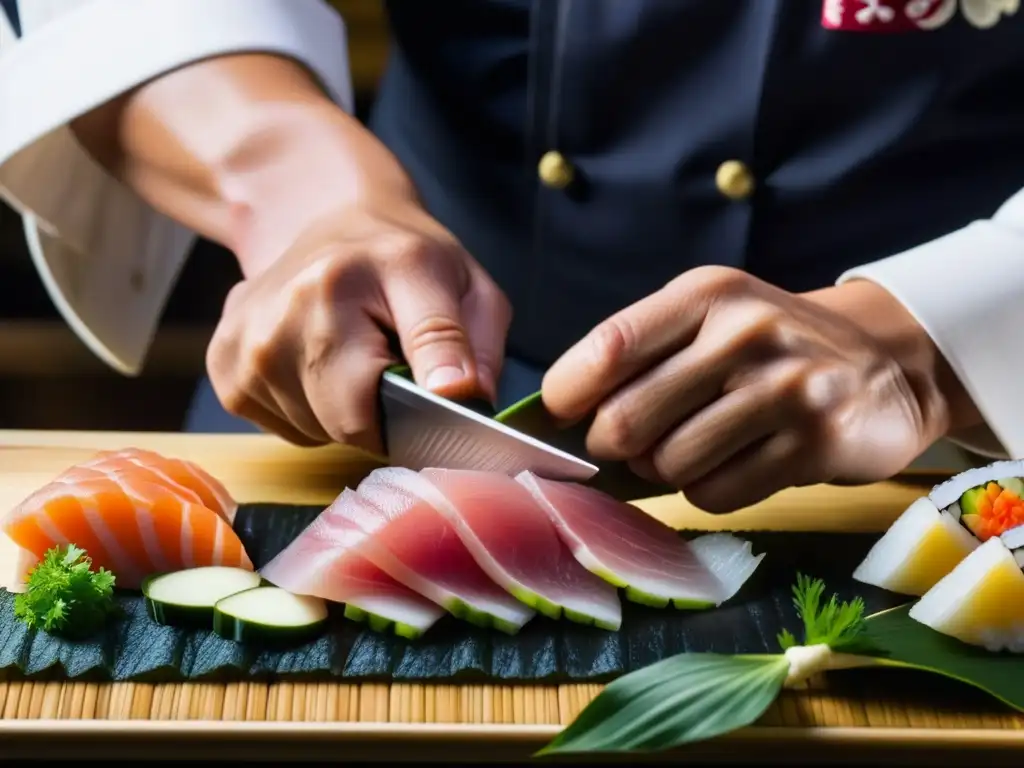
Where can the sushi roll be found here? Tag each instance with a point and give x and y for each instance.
(939, 530)
(981, 601)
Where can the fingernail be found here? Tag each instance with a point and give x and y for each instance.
(444, 376)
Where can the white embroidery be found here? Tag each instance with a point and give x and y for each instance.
(874, 9)
(981, 14)
(833, 12)
(985, 14)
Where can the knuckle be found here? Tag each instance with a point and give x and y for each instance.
(614, 424)
(436, 329)
(613, 340)
(719, 281)
(408, 251)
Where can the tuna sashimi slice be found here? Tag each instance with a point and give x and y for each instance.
(514, 541)
(629, 548)
(325, 561)
(415, 544)
(126, 524)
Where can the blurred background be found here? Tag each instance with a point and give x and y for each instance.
(50, 380)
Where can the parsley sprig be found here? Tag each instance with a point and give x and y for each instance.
(65, 596)
(838, 624)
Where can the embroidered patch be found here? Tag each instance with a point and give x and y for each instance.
(911, 15)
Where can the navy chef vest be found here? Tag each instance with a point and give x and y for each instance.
(860, 144)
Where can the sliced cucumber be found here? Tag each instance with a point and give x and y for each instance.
(1012, 484)
(187, 597)
(269, 615)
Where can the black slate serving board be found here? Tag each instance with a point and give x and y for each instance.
(547, 651)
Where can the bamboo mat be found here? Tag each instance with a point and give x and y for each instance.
(861, 706)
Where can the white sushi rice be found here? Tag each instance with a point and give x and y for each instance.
(949, 492)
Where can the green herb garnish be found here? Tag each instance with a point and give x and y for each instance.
(64, 596)
(838, 624)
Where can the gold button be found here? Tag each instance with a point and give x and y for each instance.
(555, 171)
(734, 180)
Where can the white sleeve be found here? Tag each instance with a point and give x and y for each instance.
(108, 260)
(966, 289)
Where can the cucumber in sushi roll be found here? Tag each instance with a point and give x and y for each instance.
(187, 597)
(270, 615)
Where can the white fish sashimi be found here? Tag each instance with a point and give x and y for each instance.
(629, 548)
(922, 546)
(325, 561)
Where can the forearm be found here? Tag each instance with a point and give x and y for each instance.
(245, 149)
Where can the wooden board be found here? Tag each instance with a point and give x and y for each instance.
(845, 715)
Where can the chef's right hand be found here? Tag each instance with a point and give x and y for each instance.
(301, 345)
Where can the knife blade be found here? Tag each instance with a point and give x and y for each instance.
(421, 430)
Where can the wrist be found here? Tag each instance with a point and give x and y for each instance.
(944, 404)
(297, 166)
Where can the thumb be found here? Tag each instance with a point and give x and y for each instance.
(426, 310)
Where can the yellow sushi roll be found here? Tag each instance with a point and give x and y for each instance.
(939, 530)
(981, 601)
(922, 546)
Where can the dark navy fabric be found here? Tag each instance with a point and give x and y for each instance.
(9, 8)
(862, 145)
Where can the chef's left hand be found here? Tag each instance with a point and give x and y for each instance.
(731, 389)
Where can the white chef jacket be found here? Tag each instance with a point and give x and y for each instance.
(109, 261)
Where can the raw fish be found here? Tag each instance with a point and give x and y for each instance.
(184, 477)
(628, 548)
(126, 524)
(325, 561)
(415, 544)
(515, 543)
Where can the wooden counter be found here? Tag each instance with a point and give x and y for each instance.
(287, 720)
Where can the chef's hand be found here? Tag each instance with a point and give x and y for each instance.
(300, 346)
(730, 389)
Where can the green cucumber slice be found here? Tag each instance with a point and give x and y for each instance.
(270, 615)
(187, 597)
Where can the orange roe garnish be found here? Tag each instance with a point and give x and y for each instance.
(998, 511)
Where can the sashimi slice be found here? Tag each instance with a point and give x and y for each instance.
(414, 543)
(515, 543)
(132, 527)
(630, 549)
(176, 474)
(325, 561)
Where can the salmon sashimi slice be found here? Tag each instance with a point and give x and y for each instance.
(325, 561)
(126, 524)
(631, 549)
(515, 543)
(411, 541)
(180, 475)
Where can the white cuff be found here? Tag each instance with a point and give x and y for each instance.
(967, 291)
(109, 261)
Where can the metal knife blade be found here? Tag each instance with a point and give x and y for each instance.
(424, 430)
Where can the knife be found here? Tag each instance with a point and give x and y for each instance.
(421, 430)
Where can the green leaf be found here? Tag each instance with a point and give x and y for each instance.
(685, 698)
(837, 624)
(910, 644)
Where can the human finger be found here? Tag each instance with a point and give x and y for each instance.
(753, 474)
